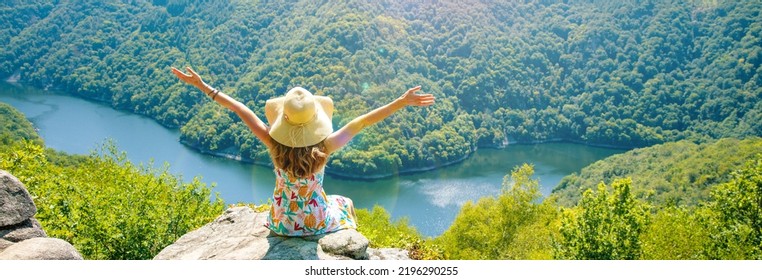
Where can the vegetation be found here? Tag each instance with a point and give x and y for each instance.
(604, 226)
(737, 215)
(104, 205)
(608, 223)
(107, 207)
(15, 127)
(515, 225)
(680, 173)
(382, 232)
(612, 223)
(626, 74)
(630, 74)
(684, 230)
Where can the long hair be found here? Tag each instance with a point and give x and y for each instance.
(299, 162)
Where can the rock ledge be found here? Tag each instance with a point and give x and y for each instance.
(240, 234)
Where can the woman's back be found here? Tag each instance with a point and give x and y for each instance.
(300, 207)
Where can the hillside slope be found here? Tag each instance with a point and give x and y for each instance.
(678, 173)
(620, 74)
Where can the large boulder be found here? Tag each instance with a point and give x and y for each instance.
(16, 206)
(41, 249)
(28, 229)
(21, 235)
(349, 243)
(5, 244)
(240, 234)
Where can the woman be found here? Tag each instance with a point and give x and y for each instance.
(300, 139)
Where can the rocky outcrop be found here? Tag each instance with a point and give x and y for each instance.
(21, 235)
(16, 205)
(239, 234)
(41, 249)
(28, 229)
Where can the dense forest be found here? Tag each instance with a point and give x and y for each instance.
(630, 73)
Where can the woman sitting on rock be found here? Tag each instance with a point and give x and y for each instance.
(300, 139)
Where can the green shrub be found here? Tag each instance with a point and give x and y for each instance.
(676, 233)
(514, 225)
(604, 226)
(737, 208)
(15, 127)
(107, 207)
(377, 226)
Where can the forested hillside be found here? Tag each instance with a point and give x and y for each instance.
(630, 73)
(679, 173)
(15, 127)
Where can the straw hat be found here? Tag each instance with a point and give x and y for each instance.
(299, 119)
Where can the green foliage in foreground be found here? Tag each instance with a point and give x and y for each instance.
(676, 233)
(611, 223)
(107, 207)
(737, 206)
(729, 226)
(377, 226)
(603, 226)
(512, 226)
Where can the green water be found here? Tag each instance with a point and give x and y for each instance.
(430, 200)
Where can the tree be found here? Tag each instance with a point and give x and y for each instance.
(677, 233)
(737, 205)
(603, 226)
(514, 225)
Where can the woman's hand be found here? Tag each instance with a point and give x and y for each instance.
(341, 137)
(192, 79)
(257, 126)
(410, 98)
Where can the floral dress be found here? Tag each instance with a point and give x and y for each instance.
(300, 207)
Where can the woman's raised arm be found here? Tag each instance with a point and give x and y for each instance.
(342, 136)
(256, 125)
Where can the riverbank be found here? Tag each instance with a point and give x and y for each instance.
(328, 171)
(233, 154)
(565, 140)
(341, 175)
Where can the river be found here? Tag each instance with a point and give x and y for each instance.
(430, 200)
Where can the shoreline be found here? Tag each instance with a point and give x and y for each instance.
(399, 172)
(95, 99)
(374, 177)
(564, 140)
(506, 143)
(327, 170)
